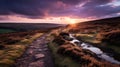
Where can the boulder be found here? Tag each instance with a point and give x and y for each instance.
(36, 64)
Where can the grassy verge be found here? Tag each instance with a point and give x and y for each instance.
(67, 55)
(116, 48)
(91, 38)
(60, 60)
(10, 52)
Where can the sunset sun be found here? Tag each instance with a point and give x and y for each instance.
(71, 20)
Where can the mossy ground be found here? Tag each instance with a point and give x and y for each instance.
(63, 60)
(92, 38)
(60, 60)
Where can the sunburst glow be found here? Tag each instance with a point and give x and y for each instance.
(73, 20)
(61, 20)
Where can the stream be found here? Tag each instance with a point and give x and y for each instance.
(93, 49)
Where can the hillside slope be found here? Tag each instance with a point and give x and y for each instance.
(103, 25)
(99, 36)
(102, 31)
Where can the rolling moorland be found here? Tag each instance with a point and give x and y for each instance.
(18, 27)
(105, 32)
(102, 35)
(16, 37)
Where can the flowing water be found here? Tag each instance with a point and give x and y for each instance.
(95, 50)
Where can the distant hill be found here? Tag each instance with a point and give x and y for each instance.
(102, 25)
(103, 21)
(28, 26)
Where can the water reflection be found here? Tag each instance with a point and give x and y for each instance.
(95, 50)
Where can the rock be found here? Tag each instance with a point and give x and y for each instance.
(34, 47)
(38, 56)
(45, 49)
(37, 47)
(31, 46)
(38, 40)
(30, 51)
(39, 50)
(45, 46)
(36, 64)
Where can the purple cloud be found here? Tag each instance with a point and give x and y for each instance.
(43, 8)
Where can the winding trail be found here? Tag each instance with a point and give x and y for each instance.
(36, 55)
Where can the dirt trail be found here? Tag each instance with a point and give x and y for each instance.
(36, 55)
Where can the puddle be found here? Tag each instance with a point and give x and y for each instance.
(95, 50)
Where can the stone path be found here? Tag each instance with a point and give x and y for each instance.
(37, 55)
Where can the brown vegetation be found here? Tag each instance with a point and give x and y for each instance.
(12, 46)
(93, 32)
(112, 37)
(59, 40)
(84, 57)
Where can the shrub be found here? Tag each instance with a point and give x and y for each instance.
(58, 40)
(112, 37)
(64, 34)
(85, 57)
(12, 41)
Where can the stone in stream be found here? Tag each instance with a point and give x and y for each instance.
(38, 56)
(36, 64)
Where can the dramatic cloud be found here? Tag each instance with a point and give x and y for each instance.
(92, 3)
(35, 9)
(99, 11)
(25, 7)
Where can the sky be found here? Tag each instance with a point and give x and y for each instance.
(57, 11)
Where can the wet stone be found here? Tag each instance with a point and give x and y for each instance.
(45, 46)
(30, 52)
(39, 50)
(45, 49)
(34, 47)
(36, 64)
(38, 40)
(31, 46)
(38, 56)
